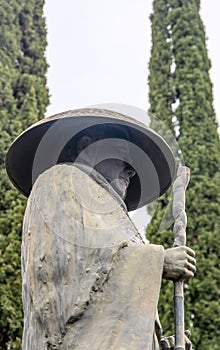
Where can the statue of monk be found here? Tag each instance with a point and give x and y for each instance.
(90, 281)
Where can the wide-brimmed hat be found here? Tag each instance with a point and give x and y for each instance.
(42, 146)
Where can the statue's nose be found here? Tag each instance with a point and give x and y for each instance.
(130, 172)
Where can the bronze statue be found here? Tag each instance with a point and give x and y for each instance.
(89, 279)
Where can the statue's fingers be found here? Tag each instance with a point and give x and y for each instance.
(192, 260)
(191, 267)
(190, 252)
(187, 333)
(167, 343)
(164, 344)
(188, 345)
(186, 275)
(171, 341)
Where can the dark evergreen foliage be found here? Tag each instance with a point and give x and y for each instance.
(181, 96)
(23, 99)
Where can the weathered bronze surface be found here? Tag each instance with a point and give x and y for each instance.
(89, 279)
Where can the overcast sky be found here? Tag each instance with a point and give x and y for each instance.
(98, 51)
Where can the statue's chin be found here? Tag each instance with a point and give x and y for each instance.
(120, 186)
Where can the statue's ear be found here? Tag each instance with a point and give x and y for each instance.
(83, 143)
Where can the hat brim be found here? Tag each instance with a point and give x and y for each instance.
(38, 148)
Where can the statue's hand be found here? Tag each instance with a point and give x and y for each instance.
(179, 264)
(168, 343)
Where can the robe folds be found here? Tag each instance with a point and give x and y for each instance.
(89, 280)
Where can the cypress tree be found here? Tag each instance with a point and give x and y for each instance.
(181, 96)
(23, 99)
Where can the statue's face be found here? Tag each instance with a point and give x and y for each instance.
(117, 173)
(113, 164)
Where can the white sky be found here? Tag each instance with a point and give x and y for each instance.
(98, 51)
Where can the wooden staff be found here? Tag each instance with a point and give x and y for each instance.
(180, 222)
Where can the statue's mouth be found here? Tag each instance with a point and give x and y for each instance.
(127, 182)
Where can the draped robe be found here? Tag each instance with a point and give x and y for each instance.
(89, 280)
